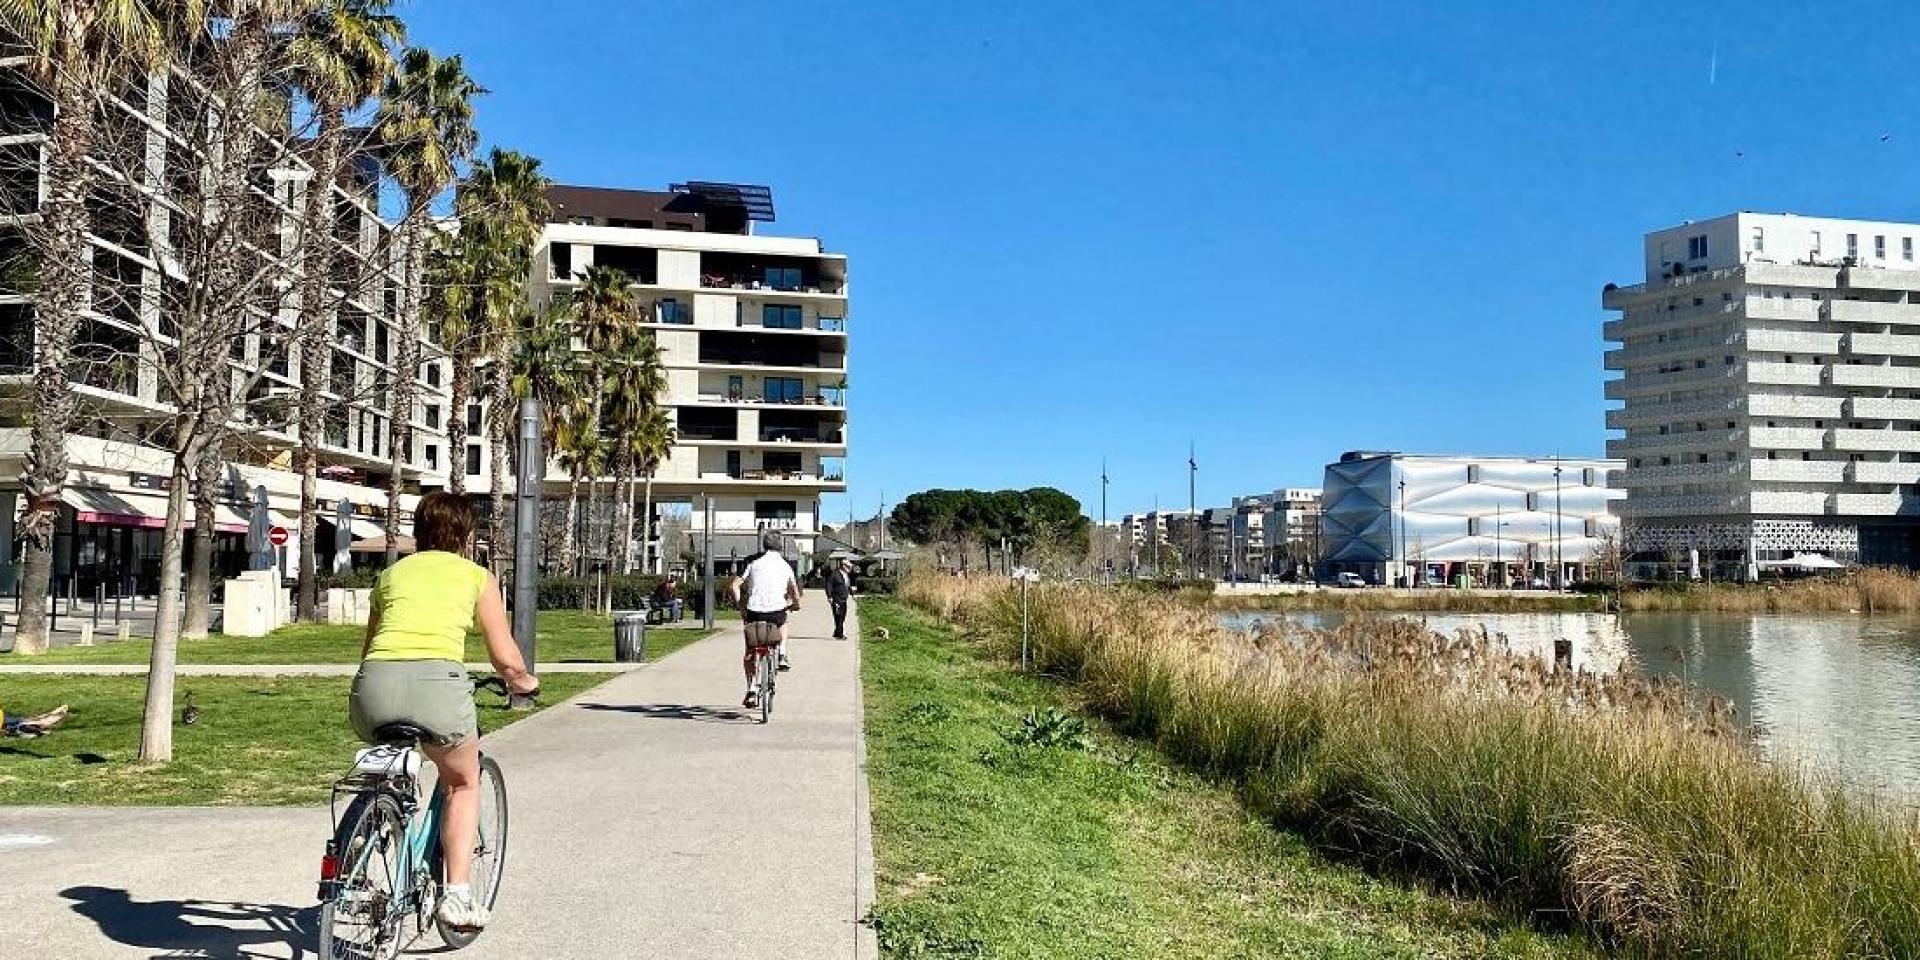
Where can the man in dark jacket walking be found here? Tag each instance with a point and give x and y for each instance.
(839, 590)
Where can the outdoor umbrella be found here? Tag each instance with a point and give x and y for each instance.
(257, 545)
(343, 536)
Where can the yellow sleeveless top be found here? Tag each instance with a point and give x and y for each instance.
(426, 603)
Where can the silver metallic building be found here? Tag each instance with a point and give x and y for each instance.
(1405, 518)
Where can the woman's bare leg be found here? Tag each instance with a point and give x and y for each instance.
(460, 810)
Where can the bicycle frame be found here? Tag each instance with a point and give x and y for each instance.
(420, 847)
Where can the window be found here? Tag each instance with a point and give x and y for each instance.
(1533, 500)
(673, 311)
(1473, 526)
(783, 278)
(1759, 240)
(1906, 249)
(1473, 471)
(433, 457)
(1880, 246)
(733, 464)
(783, 390)
(775, 510)
(473, 419)
(780, 316)
(1853, 245)
(473, 460)
(1815, 245)
(1697, 248)
(736, 388)
(1587, 476)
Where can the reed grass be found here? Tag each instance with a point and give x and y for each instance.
(1869, 590)
(1395, 601)
(1623, 806)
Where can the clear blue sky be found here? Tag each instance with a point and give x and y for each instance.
(1285, 230)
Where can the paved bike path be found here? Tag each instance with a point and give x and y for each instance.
(651, 817)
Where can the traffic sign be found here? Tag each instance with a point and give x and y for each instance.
(277, 536)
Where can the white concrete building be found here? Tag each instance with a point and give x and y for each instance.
(108, 526)
(1292, 527)
(753, 332)
(1770, 397)
(1405, 518)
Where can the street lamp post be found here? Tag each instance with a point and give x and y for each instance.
(1403, 535)
(1559, 564)
(1193, 524)
(1498, 560)
(1106, 558)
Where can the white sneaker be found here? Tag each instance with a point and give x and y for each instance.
(458, 910)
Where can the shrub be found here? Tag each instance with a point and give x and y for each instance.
(877, 585)
(1625, 805)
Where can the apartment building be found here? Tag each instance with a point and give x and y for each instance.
(110, 520)
(1247, 539)
(1396, 518)
(753, 332)
(1292, 529)
(1769, 393)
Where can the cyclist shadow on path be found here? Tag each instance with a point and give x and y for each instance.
(675, 711)
(217, 930)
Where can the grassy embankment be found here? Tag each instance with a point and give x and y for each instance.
(1006, 827)
(563, 636)
(259, 740)
(1612, 804)
(1870, 590)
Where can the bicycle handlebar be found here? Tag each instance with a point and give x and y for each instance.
(499, 686)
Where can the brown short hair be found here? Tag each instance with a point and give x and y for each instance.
(442, 521)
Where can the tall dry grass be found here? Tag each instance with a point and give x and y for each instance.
(1869, 590)
(1616, 804)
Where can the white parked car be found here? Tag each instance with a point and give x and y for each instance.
(1348, 580)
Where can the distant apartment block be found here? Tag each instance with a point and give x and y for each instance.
(1405, 518)
(1291, 529)
(1769, 392)
(753, 331)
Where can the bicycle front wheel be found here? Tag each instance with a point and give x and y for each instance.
(769, 665)
(489, 849)
(365, 918)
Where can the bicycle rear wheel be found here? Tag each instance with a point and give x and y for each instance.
(769, 665)
(365, 918)
(489, 850)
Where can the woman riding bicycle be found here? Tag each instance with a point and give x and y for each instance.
(413, 670)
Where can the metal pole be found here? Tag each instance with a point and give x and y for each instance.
(1026, 641)
(1193, 525)
(1403, 535)
(1559, 565)
(526, 535)
(1496, 542)
(1106, 558)
(706, 561)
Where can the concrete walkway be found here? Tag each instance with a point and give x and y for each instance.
(269, 669)
(650, 818)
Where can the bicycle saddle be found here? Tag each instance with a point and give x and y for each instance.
(401, 731)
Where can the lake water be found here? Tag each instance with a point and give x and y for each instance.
(1842, 692)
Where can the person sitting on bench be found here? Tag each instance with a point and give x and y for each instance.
(32, 726)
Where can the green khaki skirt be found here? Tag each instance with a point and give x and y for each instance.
(432, 694)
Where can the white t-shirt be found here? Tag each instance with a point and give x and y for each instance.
(767, 579)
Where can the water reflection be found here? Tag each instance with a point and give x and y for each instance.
(1842, 692)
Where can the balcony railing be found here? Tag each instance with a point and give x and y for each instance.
(799, 435)
(722, 281)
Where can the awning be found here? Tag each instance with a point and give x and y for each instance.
(379, 545)
(360, 527)
(127, 508)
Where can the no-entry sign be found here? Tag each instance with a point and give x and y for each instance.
(277, 536)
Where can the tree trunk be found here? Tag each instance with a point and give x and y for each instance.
(629, 509)
(315, 337)
(198, 619)
(156, 726)
(588, 527)
(406, 366)
(649, 559)
(501, 415)
(567, 541)
(62, 296)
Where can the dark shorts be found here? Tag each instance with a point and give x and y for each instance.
(776, 617)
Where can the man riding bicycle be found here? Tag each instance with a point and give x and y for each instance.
(764, 594)
(413, 670)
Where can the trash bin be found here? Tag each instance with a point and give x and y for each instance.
(630, 638)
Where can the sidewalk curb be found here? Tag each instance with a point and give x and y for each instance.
(866, 938)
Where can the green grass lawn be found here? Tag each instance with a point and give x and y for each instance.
(1068, 841)
(258, 741)
(562, 636)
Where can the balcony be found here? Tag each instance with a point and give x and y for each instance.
(1682, 505)
(1797, 471)
(1648, 410)
(1876, 441)
(1882, 377)
(1882, 408)
(1875, 504)
(1868, 311)
(1691, 441)
(1793, 341)
(733, 348)
(1783, 374)
(772, 274)
(1795, 311)
(1872, 471)
(1779, 405)
(1883, 345)
(1880, 278)
(1792, 275)
(1673, 473)
(1789, 502)
(1787, 438)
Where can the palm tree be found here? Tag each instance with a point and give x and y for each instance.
(652, 441)
(605, 318)
(342, 51)
(501, 207)
(545, 369)
(635, 381)
(425, 127)
(72, 46)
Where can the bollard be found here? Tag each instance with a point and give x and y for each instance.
(99, 600)
(86, 635)
(630, 638)
(126, 632)
(1563, 655)
(116, 608)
